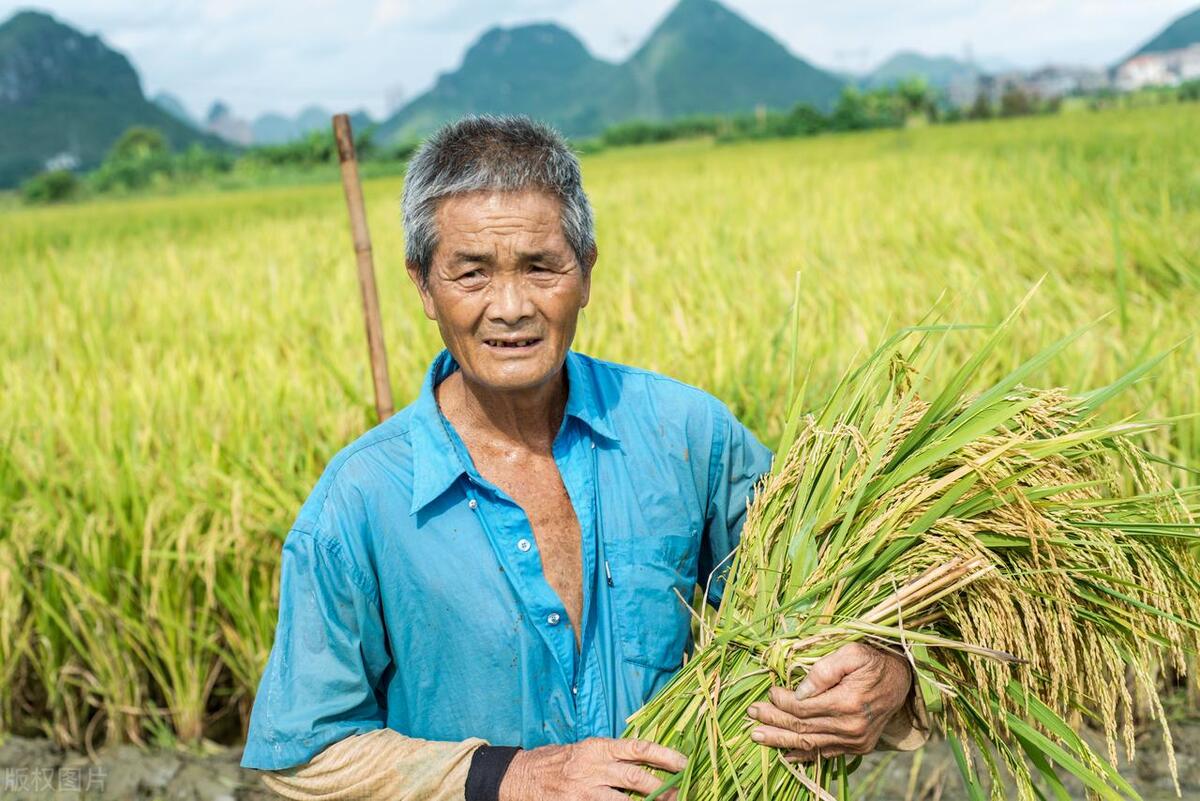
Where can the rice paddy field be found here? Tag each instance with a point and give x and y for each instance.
(177, 371)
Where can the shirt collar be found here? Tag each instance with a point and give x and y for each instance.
(585, 397)
(435, 455)
(435, 460)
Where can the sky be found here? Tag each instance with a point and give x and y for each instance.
(343, 55)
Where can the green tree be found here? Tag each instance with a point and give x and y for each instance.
(850, 113)
(916, 96)
(139, 143)
(1015, 103)
(981, 109)
(139, 158)
(198, 163)
(56, 186)
(804, 120)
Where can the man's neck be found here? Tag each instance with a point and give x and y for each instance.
(528, 419)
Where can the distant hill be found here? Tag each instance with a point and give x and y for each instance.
(1180, 33)
(705, 59)
(222, 122)
(67, 96)
(275, 129)
(938, 71)
(174, 106)
(701, 59)
(542, 70)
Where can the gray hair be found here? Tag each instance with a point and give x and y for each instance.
(487, 152)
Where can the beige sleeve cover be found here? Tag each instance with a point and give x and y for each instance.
(382, 764)
(909, 728)
(385, 764)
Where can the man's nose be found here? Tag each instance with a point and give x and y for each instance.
(511, 302)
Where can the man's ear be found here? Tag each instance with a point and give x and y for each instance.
(414, 275)
(589, 264)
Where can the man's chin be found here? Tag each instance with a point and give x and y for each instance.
(513, 377)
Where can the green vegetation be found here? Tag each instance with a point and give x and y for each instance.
(1021, 556)
(313, 158)
(542, 70)
(68, 93)
(56, 186)
(141, 162)
(69, 96)
(1187, 92)
(905, 103)
(702, 58)
(178, 370)
(939, 71)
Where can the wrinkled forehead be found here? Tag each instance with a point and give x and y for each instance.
(527, 218)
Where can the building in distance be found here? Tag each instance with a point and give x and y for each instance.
(1165, 68)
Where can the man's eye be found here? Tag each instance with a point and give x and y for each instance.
(473, 274)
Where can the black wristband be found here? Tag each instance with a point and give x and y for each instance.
(489, 763)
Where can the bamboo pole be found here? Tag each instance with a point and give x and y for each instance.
(366, 265)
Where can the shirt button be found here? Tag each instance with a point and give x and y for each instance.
(574, 691)
(523, 545)
(472, 503)
(553, 618)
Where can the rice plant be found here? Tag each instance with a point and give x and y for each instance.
(1020, 553)
(177, 371)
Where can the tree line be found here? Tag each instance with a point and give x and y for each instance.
(141, 159)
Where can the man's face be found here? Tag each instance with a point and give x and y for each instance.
(504, 287)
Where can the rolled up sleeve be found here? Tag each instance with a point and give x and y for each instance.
(321, 679)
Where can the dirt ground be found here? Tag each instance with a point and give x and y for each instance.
(36, 769)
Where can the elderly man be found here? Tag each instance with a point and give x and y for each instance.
(480, 590)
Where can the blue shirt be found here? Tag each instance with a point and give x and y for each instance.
(412, 594)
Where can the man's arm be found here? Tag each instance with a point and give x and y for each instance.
(318, 728)
(382, 764)
(329, 654)
(385, 764)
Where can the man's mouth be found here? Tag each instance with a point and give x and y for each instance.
(511, 343)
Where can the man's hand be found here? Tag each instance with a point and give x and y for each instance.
(591, 770)
(841, 707)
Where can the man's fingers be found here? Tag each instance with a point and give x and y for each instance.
(835, 703)
(813, 756)
(771, 715)
(830, 670)
(645, 752)
(627, 776)
(784, 738)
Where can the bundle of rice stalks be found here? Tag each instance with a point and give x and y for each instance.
(1021, 554)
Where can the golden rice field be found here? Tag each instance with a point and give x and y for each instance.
(177, 371)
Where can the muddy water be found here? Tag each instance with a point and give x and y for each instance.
(36, 769)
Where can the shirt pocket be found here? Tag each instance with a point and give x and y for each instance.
(654, 576)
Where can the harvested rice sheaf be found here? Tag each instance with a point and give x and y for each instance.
(1024, 557)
